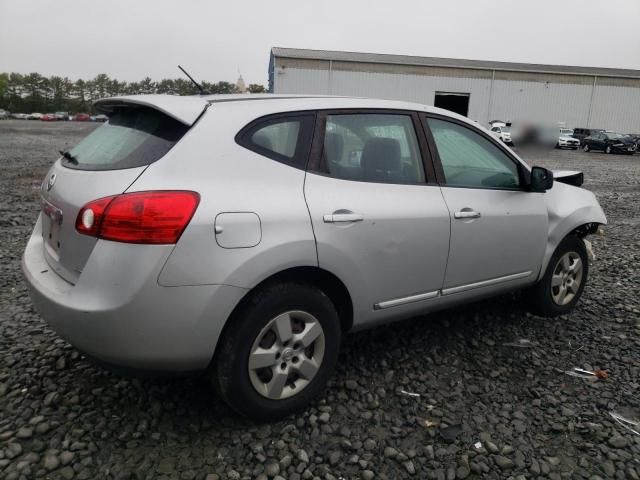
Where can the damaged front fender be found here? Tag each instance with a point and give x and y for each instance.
(570, 209)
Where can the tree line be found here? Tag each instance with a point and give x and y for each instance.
(26, 93)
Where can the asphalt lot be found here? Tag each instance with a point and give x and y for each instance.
(520, 415)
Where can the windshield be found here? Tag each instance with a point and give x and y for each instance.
(131, 138)
(614, 136)
(566, 131)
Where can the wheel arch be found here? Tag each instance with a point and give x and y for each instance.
(581, 231)
(326, 281)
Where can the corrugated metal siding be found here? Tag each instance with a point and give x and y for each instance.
(298, 80)
(541, 102)
(415, 88)
(518, 97)
(616, 108)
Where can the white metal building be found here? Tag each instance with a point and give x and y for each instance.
(482, 90)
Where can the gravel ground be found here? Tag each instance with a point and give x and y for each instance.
(482, 408)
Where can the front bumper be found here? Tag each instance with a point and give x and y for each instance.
(624, 149)
(118, 314)
(568, 143)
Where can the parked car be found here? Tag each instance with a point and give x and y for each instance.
(62, 115)
(503, 133)
(4, 114)
(610, 143)
(566, 139)
(19, 116)
(81, 117)
(48, 117)
(582, 133)
(249, 246)
(99, 118)
(34, 116)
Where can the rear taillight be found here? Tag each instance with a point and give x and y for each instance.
(142, 217)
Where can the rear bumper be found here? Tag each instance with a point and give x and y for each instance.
(117, 312)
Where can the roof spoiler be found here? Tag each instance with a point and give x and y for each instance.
(184, 109)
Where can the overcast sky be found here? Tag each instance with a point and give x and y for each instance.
(131, 39)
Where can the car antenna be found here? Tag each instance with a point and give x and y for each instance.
(198, 86)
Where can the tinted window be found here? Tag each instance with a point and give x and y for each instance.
(372, 148)
(471, 160)
(285, 139)
(132, 137)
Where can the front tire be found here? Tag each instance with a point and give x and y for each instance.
(278, 352)
(586, 147)
(561, 287)
(607, 149)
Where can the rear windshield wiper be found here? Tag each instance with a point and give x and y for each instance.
(67, 155)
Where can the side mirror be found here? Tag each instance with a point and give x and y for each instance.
(541, 179)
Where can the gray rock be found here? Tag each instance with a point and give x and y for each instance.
(285, 461)
(503, 462)
(166, 466)
(13, 450)
(272, 469)
(334, 457)
(67, 457)
(462, 473)
(409, 467)
(67, 473)
(618, 441)
(390, 452)
(51, 462)
(302, 456)
(24, 433)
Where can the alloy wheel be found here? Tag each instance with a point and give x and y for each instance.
(286, 355)
(566, 278)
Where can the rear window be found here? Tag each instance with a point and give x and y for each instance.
(132, 137)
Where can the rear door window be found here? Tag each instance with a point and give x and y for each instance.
(132, 137)
(372, 147)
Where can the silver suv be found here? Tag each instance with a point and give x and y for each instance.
(245, 235)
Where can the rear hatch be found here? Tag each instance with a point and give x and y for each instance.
(106, 163)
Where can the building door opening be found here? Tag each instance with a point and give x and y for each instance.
(454, 102)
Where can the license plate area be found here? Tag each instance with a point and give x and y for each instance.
(51, 228)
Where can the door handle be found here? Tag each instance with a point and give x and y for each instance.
(466, 213)
(343, 218)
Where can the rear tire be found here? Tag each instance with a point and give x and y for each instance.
(272, 328)
(560, 289)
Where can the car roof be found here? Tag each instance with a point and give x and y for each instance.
(187, 109)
